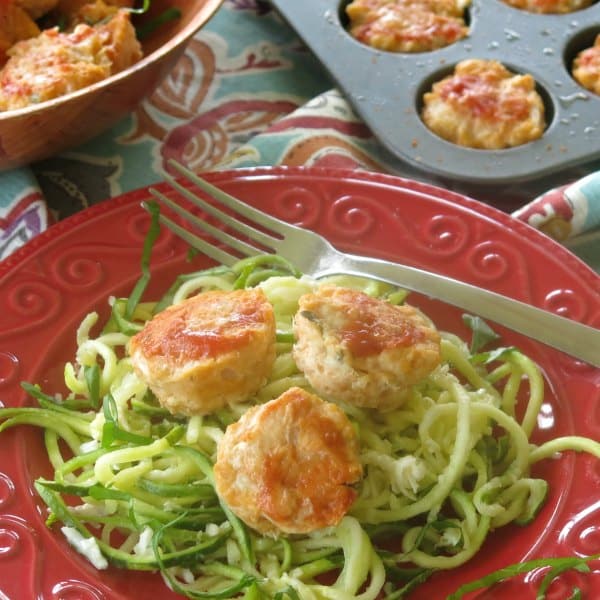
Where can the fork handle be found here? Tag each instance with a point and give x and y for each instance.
(579, 340)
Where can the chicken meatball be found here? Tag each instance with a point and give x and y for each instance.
(483, 105)
(549, 6)
(90, 13)
(407, 25)
(55, 63)
(15, 25)
(362, 350)
(586, 67)
(287, 466)
(209, 351)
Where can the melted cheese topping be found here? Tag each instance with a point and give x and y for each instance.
(208, 351)
(205, 326)
(586, 67)
(362, 350)
(549, 6)
(407, 25)
(287, 465)
(483, 105)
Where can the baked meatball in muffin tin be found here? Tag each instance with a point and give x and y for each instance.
(586, 67)
(550, 6)
(391, 84)
(409, 25)
(483, 105)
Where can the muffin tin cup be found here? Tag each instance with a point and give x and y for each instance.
(386, 88)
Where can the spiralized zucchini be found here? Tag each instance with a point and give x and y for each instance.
(440, 473)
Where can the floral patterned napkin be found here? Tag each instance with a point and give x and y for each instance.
(248, 92)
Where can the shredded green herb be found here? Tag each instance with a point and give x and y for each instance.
(483, 334)
(149, 241)
(556, 567)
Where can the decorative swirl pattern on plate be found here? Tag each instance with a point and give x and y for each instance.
(491, 261)
(21, 555)
(9, 369)
(15, 532)
(500, 265)
(445, 235)
(7, 490)
(353, 216)
(79, 268)
(563, 586)
(137, 227)
(298, 205)
(566, 303)
(581, 533)
(9, 541)
(589, 537)
(73, 589)
(31, 305)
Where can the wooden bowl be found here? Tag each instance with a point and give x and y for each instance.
(41, 130)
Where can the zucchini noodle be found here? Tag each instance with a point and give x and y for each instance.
(440, 473)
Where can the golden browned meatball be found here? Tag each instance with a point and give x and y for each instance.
(483, 105)
(90, 13)
(54, 63)
(362, 350)
(15, 25)
(121, 46)
(407, 25)
(211, 350)
(549, 6)
(586, 67)
(287, 466)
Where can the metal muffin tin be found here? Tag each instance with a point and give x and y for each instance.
(386, 88)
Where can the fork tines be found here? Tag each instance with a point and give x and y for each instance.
(243, 238)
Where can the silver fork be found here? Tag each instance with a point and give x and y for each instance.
(314, 255)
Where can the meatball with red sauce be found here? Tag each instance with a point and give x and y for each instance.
(207, 352)
(483, 105)
(288, 466)
(362, 350)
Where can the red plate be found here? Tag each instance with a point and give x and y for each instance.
(50, 284)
